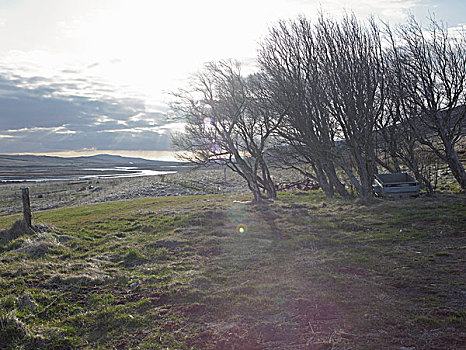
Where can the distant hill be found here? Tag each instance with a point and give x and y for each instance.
(102, 160)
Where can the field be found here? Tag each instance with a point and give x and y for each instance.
(305, 272)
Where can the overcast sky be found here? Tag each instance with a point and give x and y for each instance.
(93, 74)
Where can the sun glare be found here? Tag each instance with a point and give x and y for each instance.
(151, 47)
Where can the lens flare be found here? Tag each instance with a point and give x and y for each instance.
(207, 121)
(215, 148)
(241, 229)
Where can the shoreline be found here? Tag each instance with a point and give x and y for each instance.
(33, 174)
(61, 193)
(109, 174)
(185, 182)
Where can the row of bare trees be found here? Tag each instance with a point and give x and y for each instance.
(334, 99)
(426, 96)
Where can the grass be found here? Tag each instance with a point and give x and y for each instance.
(308, 272)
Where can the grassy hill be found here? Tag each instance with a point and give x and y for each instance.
(175, 272)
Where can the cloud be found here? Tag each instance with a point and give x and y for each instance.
(457, 31)
(64, 139)
(162, 129)
(58, 130)
(388, 10)
(104, 119)
(92, 75)
(93, 65)
(63, 130)
(39, 114)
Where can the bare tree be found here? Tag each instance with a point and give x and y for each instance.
(228, 120)
(353, 68)
(289, 57)
(396, 142)
(432, 69)
(331, 76)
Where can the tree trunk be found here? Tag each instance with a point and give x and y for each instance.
(255, 191)
(335, 181)
(254, 186)
(322, 179)
(268, 182)
(455, 165)
(352, 177)
(365, 176)
(366, 185)
(396, 164)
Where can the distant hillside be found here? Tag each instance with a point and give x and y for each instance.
(89, 161)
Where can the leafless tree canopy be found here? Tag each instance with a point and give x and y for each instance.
(331, 73)
(429, 68)
(335, 99)
(229, 120)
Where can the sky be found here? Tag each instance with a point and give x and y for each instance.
(93, 76)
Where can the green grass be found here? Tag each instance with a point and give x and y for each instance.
(175, 273)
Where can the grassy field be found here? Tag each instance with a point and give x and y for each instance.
(177, 272)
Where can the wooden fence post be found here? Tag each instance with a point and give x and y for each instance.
(26, 207)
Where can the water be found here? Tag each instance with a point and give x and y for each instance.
(125, 172)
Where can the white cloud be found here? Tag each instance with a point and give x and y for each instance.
(136, 130)
(33, 129)
(174, 127)
(143, 117)
(72, 73)
(52, 130)
(64, 130)
(388, 10)
(106, 119)
(458, 31)
(103, 119)
(163, 129)
(137, 117)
